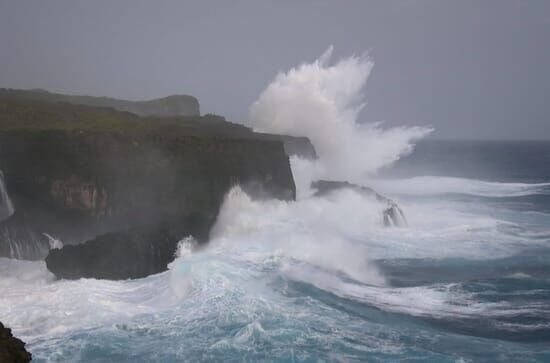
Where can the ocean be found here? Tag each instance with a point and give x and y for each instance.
(321, 279)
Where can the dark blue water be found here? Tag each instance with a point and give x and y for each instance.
(501, 161)
(520, 281)
(321, 280)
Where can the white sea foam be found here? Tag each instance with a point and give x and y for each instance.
(331, 242)
(55, 243)
(37, 306)
(437, 301)
(308, 231)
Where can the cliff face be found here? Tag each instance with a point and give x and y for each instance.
(79, 173)
(75, 185)
(171, 106)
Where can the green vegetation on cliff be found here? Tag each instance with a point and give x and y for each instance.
(24, 114)
(18, 113)
(171, 106)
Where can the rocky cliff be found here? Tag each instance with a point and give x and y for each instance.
(171, 106)
(75, 173)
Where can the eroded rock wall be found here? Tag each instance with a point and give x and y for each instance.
(75, 185)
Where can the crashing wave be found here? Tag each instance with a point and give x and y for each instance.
(322, 101)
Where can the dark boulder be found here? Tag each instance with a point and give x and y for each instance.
(131, 254)
(12, 350)
(392, 216)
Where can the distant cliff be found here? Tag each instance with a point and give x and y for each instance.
(76, 173)
(171, 106)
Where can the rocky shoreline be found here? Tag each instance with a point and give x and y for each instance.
(12, 350)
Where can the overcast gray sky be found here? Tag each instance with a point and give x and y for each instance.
(472, 69)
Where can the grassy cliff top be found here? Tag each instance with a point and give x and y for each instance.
(21, 111)
(171, 106)
(19, 114)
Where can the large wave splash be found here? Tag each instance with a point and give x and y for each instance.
(306, 236)
(323, 102)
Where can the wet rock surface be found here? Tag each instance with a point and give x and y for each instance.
(12, 350)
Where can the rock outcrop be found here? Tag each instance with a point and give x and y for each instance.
(135, 253)
(392, 216)
(75, 173)
(171, 106)
(12, 350)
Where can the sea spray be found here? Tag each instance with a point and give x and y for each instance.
(323, 102)
(55, 243)
(6, 205)
(304, 236)
(181, 276)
